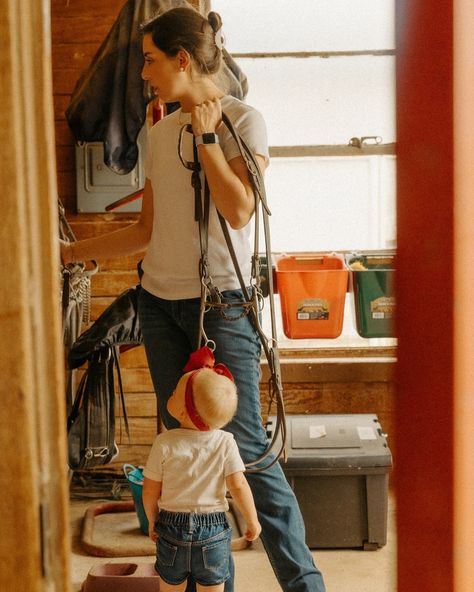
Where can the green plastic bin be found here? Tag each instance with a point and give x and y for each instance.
(374, 295)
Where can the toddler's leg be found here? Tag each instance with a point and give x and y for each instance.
(216, 588)
(164, 587)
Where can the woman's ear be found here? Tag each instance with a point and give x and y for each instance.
(184, 60)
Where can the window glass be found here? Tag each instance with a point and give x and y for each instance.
(307, 101)
(323, 203)
(330, 204)
(306, 25)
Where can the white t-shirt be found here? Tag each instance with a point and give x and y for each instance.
(171, 264)
(192, 467)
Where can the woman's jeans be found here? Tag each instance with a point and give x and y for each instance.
(170, 331)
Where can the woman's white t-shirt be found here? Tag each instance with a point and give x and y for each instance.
(171, 264)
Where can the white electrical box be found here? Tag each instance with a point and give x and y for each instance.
(98, 186)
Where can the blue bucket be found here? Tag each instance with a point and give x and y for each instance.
(135, 481)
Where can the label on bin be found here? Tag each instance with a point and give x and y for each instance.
(383, 307)
(366, 433)
(312, 309)
(317, 431)
(309, 434)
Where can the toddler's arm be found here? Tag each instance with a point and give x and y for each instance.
(242, 495)
(151, 494)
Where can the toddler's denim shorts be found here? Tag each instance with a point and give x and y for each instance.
(196, 545)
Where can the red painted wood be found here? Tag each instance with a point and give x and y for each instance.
(424, 397)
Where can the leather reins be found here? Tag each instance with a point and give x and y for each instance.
(253, 298)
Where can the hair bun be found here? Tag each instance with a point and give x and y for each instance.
(215, 21)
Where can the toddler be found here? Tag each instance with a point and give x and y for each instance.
(186, 477)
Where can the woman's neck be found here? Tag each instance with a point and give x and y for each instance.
(198, 93)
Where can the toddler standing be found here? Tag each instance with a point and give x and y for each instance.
(187, 475)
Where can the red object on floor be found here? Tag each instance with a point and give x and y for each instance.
(122, 577)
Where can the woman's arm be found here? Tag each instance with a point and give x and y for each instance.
(150, 496)
(242, 495)
(229, 184)
(126, 241)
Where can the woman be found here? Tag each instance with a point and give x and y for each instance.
(183, 53)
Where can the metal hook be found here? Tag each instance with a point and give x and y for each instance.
(210, 344)
(365, 141)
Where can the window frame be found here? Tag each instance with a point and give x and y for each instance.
(354, 147)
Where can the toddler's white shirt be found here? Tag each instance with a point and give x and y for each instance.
(192, 467)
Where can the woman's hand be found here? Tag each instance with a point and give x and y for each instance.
(206, 117)
(66, 252)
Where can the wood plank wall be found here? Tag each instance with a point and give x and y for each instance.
(78, 28)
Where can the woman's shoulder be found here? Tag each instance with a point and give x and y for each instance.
(236, 109)
(249, 124)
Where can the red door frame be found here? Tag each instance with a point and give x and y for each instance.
(424, 471)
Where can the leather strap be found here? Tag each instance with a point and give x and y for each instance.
(269, 346)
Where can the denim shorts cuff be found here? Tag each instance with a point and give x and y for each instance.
(175, 583)
(206, 584)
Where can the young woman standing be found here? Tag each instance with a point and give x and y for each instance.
(183, 54)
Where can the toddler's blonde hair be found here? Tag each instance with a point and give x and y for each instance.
(215, 398)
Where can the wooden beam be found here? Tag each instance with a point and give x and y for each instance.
(34, 545)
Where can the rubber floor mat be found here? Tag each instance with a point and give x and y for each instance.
(111, 529)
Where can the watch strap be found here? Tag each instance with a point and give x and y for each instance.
(207, 138)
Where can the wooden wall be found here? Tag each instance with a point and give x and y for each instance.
(78, 28)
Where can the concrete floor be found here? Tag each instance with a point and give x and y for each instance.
(343, 570)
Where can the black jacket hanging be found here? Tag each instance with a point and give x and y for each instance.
(109, 101)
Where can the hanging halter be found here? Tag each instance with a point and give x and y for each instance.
(253, 299)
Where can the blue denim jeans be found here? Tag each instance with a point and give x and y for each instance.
(193, 544)
(170, 329)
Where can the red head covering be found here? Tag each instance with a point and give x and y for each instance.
(202, 358)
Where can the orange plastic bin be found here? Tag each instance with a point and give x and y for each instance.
(312, 292)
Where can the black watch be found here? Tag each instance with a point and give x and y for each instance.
(207, 138)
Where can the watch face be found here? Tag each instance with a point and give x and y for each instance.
(207, 138)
